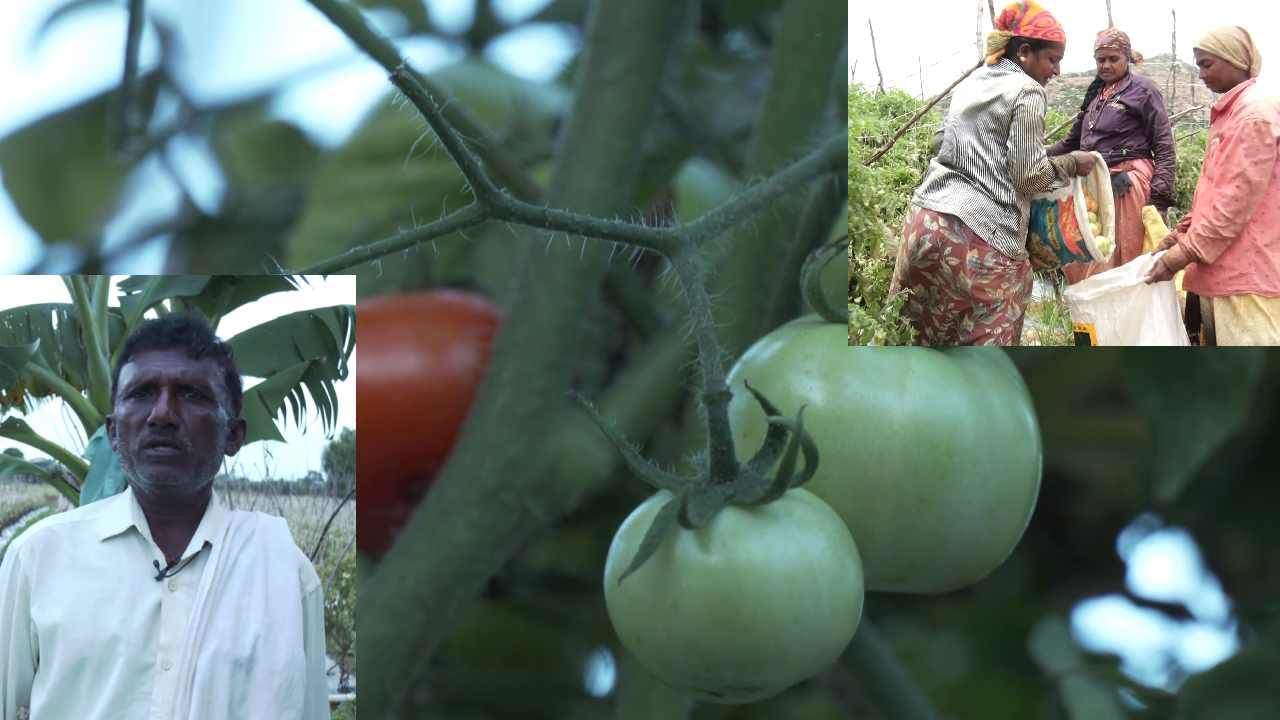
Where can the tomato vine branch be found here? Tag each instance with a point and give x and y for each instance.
(130, 111)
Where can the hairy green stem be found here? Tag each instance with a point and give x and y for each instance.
(505, 171)
(882, 677)
(471, 215)
(130, 114)
(691, 269)
(828, 158)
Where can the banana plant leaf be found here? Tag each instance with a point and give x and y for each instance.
(106, 476)
(56, 327)
(307, 349)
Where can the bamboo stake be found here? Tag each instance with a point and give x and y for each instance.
(875, 55)
(919, 114)
(1110, 22)
(992, 7)
(920, 72)
(977, 30)
(1178, 116)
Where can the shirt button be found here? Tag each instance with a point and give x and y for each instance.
(167, 665)
(173, 584)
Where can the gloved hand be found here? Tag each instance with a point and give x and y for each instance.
(1120, 184)
(1084, 162)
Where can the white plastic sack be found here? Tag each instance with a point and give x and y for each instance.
(1117, 308)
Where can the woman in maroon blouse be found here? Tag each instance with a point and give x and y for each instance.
(1123, 118)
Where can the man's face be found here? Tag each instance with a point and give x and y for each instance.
(171, 425)
(1218, 74)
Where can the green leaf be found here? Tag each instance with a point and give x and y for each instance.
(264, 401)
(1194, 404)
(106, 477)
(309, 348)
(663, 524)
(12, 359)
(1083, 696)
(10, 466)
(268, 166)
(61, 171)
(56, 327)
(1242, 688)
(214, 296)
(140, 293)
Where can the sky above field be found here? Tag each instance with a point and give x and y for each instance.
(230, 49)
(302, 449)
(935, 40)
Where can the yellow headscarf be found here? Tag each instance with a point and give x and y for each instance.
(1235, 45)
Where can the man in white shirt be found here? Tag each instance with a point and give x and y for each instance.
(160, 603)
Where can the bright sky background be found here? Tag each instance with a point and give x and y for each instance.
(292, 459)
(945, 44)
(231, 49)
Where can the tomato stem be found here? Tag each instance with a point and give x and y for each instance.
(690, 267)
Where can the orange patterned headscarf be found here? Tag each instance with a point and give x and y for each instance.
(1026, 19)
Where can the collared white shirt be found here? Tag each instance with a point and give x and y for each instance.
(87, 632)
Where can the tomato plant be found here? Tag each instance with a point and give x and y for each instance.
(757, 600)
(932, 457)
(422, 355)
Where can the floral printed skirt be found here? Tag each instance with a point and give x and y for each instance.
(963, 290)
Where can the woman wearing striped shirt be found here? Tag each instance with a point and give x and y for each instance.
(963, 257)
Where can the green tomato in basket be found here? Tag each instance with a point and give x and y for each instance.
(932, 457)
(738, 610)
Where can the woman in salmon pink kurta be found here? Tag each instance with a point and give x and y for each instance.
(1230, 241)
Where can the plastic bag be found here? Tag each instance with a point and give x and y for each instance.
(1058, 232)
(1117, 308)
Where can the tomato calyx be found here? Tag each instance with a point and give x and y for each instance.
(811, 281)
(696, 499)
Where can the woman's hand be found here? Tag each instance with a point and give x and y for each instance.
(1169, 241)
(1084, 162)
(1159, 272)
(1169, 263)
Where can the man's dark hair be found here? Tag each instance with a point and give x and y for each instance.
(182, 331)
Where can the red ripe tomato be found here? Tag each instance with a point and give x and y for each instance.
(421, 357)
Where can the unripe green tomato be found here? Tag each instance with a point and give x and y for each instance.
(755, 601)
(931, 456)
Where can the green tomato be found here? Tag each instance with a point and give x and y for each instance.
(755, 601)
(932, 457)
